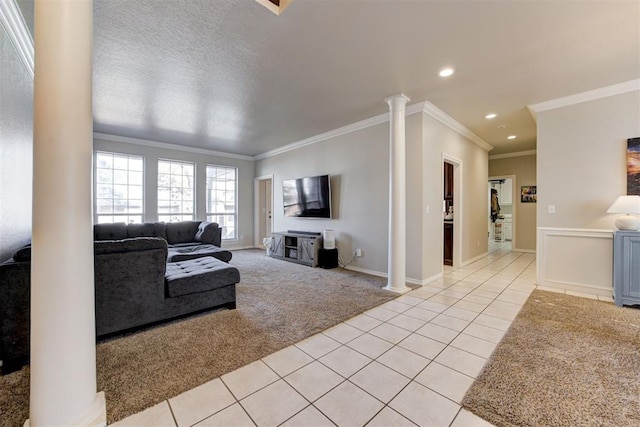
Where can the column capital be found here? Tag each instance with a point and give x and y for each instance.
(398, 100)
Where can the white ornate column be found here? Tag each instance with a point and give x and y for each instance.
(63, 351)
(397, 196)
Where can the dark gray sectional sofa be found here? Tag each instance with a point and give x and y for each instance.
(185, 240)
(144, 274)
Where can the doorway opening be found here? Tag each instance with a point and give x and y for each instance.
(452, 207)
(263, 203)
(501, 218)
(447, 207)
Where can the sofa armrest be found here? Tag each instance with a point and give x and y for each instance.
(129, 286)
(209, 233)
(15, 290)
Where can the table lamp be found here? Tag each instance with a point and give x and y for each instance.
(626, 205)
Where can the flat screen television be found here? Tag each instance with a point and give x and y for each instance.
(308, 197)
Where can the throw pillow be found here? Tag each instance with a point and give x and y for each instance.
(206, 232)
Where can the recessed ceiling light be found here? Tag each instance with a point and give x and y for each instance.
(446, 72)
(511, 137)
(491, 116)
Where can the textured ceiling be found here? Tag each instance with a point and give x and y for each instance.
(232, 76)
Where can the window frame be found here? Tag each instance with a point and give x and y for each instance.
(96, 196)
(234, 215)
(183, 215)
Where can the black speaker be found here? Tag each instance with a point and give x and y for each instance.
(327, 258)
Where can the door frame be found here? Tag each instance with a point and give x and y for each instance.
(257, 242)
(514, 207)
(458, 205)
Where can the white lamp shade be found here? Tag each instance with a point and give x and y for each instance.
(625, 205)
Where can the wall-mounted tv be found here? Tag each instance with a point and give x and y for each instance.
(308, 197)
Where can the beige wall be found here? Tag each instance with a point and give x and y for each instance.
(471, 221)
(582, 160)
(581, 170)
(359, 169)
(524, 169)
(152, 154)
(359, 165)
(16, 150)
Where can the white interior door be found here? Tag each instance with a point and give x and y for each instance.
(268, 207)
(263, 209)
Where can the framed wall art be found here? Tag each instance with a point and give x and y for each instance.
(528, 194)
(633, 166)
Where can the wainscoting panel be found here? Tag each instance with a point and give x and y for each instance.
(578, 260)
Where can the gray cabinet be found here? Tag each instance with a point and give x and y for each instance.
(296, 247)
(626, 267)
(277, 245)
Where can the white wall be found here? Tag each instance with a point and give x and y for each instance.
(359, 165)
(581, 170)
(152, 154)
(359, 169)
(16, 150)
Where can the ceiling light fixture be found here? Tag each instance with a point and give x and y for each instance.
(491, 116)
(446, 72)
(511, 137)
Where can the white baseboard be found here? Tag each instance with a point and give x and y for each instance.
(432, 278)
(474, 259)
(526, 251)
(409, 280)
(366, 271)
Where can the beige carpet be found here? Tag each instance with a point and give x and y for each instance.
(279, 303)
(565, 361)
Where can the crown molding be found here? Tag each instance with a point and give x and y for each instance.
(166, 146)
(18, 32)
(590, 95)
(450, 122)
(516, 154)
(362, 124)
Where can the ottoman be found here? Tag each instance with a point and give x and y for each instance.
(184, 253)
(200, 275)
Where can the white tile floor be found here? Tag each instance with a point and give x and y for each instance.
(407, 362)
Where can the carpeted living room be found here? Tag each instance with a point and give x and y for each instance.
(279, 213)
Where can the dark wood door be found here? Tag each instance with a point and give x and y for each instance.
(448, 181)
(448, 243)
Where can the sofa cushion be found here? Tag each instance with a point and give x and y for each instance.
(206, 232)
(181, 232)
(160, 229)
(198, 275)
(115, 231)
(146, 229)
(183, 253)
(128, 245)
(23, 254)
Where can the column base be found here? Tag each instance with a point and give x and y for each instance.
(397, 289)
(96, 416)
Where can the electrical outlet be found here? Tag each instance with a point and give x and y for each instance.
(358, 252)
